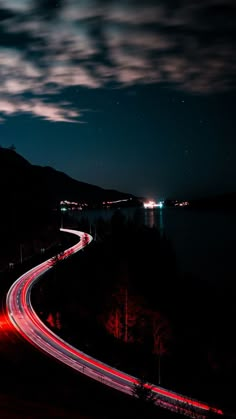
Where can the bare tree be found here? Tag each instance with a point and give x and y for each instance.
(161, 335)
(114, 324)
(124, 317)
(12, 147)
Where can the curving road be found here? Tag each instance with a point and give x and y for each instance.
(29, 325)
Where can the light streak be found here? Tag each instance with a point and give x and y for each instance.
(25, 320)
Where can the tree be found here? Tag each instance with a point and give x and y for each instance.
(114, 323)
(12, 147)
(161, 335)
(54, 320)
(58, 320)
(50, 320)
(125, 316)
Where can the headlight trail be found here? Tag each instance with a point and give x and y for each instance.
(28, 324)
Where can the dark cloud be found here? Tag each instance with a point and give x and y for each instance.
(218, 17)
(49, 9)
(5, 14)
(189, 44)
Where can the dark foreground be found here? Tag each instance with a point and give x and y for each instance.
(34, 386)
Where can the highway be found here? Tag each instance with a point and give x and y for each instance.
(25, 320)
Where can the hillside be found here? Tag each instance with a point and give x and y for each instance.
(29, 196)
(37, 186)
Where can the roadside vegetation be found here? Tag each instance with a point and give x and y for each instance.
(123, 301)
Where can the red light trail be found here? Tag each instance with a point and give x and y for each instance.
(23, 317)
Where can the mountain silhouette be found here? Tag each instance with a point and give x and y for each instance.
(22, 183)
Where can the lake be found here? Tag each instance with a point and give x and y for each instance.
(204, 240)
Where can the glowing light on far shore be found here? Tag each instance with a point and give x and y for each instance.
(153, 204)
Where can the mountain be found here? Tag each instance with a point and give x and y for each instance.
(22, 183)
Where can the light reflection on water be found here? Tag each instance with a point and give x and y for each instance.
(204, 241)
(149, 218)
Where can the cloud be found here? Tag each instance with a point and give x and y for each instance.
(48, 111)
(17, 6)
(47, 47)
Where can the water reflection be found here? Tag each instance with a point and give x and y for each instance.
(161, 222)
(204, 241)
(154, 218)
(149, 219)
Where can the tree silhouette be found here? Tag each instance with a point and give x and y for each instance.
(12, 147)
(160, 333)
(114, 324)
(50, 320)
(125, 316)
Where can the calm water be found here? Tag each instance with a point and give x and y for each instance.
(204, 241)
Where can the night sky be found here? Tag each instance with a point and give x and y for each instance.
(137, 96)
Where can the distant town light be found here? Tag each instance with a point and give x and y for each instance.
(115, 202)
(181, 203)
(153, 204)
(71, 205)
